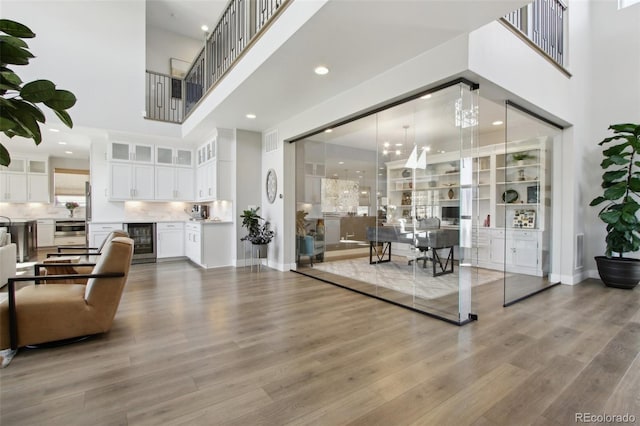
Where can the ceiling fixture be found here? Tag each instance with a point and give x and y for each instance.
(68, 152)
(328, 131)
(321, 70)
(399, 144)
(204, 28)
(340, 162)
(497, 123)
(385, 152)
(62, 143)
(251, 116)
(398, 152)
(427, 148)
(427, 96)
(386, 144)
(415, 162)
(54, 130)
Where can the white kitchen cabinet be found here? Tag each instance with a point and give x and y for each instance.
(25, 180)
(14, 187)
(207, 244)
(46, 230)
(168, 156)
(171, 239)
(131, 152)
(38, 188)
(174, 183)
(99, 231)
(213, 181)
(206, 181)
(207, 152)
(192, 239)
(131, 181)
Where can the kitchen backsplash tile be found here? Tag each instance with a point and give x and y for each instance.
(132, 210)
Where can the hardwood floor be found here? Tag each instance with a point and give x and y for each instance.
(227, 346)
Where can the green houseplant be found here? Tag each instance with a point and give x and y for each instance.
(19, 111)
(258, 228)
(621, 196)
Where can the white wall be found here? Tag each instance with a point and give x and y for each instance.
(248, 183)
(163, 45)
(610, 51)
(96, 49)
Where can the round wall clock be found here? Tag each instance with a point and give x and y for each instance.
(272, 185)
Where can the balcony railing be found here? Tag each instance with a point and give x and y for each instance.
(164, 97)
(240, 23)
(543, 23)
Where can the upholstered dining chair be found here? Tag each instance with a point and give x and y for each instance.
(39, 314)
(61, 263)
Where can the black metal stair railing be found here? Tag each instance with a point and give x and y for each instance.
(240, 23)
(542, 22)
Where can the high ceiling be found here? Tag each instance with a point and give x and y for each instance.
(284, 84)
(184, 17)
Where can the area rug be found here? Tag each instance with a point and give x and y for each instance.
(406, 278)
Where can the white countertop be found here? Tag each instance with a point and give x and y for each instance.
(204, 222)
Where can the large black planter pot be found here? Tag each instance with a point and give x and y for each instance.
(619, 272)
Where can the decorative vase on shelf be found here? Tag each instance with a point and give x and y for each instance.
(451, 194)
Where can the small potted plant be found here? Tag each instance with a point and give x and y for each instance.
(259, 230)
(519, 157)
(621, 185)
(71, 206)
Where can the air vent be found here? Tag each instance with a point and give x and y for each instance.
(578, 261)
(271, 141)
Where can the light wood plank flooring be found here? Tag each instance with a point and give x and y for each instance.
(228, 346)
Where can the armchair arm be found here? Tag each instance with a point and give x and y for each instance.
(37, 266)
(11, 290)
(84, 253)
(61, 248)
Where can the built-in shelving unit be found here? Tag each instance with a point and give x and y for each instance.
(510, 185)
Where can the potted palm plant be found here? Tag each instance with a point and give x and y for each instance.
(260, 232)
(621, 184)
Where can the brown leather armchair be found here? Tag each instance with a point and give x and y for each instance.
(61, 263)
(45, 313)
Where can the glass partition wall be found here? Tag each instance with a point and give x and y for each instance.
(525, 209)
(390, 205)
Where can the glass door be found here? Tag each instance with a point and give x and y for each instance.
(525, 192)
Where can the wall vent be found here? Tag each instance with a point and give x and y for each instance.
(579, 253)
(271, 141)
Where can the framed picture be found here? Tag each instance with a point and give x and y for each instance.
(532, 194)
(524, 219)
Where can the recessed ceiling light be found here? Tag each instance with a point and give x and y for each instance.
(68, 152)
(251, 116)
(54, 130)
(321, 70)
(381, 168)
(497, 123)
(62, 143)
(427, 148)
(398, 152)
(357, 171)
(386, 144)
(426, 96)
(385, 152)
(398, 144)
(204, 28)
(340, 162)
(328, 131)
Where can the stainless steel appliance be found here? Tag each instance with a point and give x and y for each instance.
(199, 212)
(144, 241)
(24, 233)
(87, 210)
(69, 232)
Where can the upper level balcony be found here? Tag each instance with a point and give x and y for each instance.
(242, 23)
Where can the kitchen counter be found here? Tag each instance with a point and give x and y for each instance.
(204, 222)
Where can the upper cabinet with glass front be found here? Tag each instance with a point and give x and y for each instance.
(174, 156)
(126, 151)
